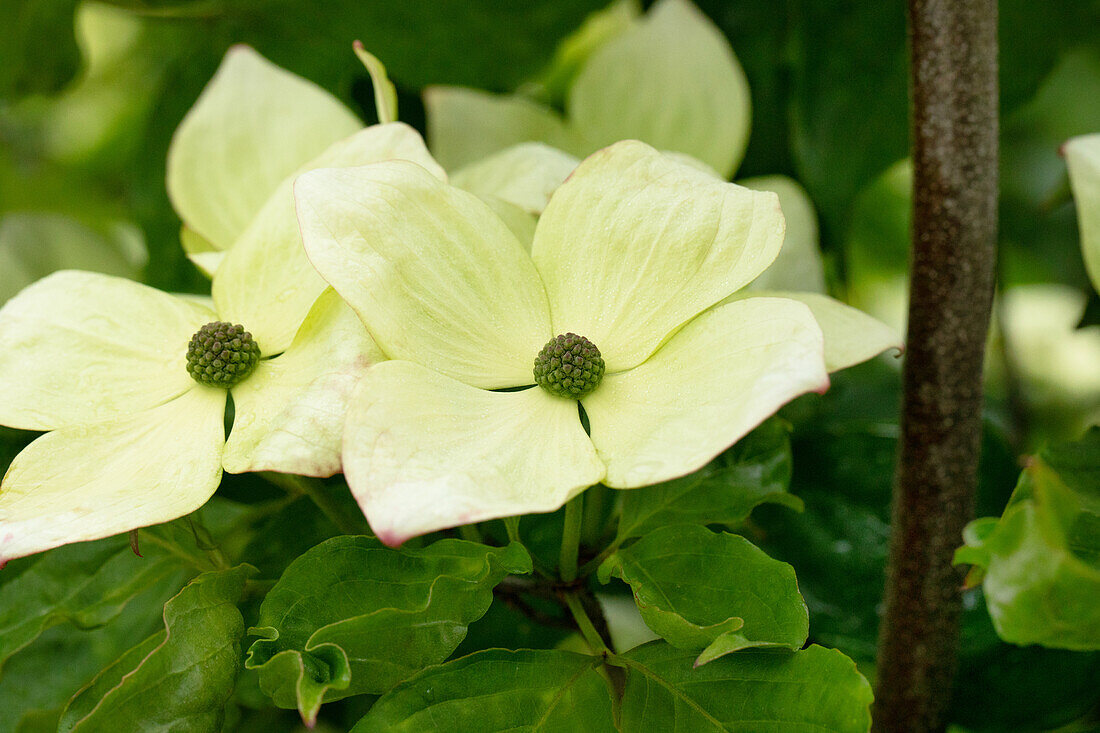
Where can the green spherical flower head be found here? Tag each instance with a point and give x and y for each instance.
(221, 354)
(569, 366)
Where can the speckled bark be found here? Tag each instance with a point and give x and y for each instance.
(953, 81)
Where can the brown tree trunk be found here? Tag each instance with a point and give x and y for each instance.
(953, 80)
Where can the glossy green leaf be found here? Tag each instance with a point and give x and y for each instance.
(86, 585)
(352, 616)
(34, 687)
(178, 679)
(1061, 685)
(1040, 563)
(754, 471)
(716, 592)
(498, 690)
(816, 689)
(844, 446)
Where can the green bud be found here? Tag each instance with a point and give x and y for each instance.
(221, 354)
(569, 366)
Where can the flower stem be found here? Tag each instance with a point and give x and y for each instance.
(592, 565)
(511, 526)
(584, 623)
(319, 494)
(571, 538)
(470, 533)
(592, 525)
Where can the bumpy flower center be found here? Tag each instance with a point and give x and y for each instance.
(569, 366)
(221, 354)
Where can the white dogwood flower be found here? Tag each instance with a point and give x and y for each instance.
(629, 260)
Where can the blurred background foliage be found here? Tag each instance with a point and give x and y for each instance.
(91, 92)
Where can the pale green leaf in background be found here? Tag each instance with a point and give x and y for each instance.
(1039, 565)
(672, 81)
(799, 266)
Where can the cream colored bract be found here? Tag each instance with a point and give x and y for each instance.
(669, 78)
(231, 168)
(99, 362)
(1083, 159)
(633, 252)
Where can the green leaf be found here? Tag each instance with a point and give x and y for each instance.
(11, 442)
(1041, 561)
(178, 679)
(85, 584)
(352, 616)
(1061, 685)
(715, 592)
(754, 471)
(34, 687)
(844, 445)
(498, 690)
(816, 689)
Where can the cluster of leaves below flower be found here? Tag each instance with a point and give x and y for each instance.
(416, 625)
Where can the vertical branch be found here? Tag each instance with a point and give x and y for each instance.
(953, 78)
